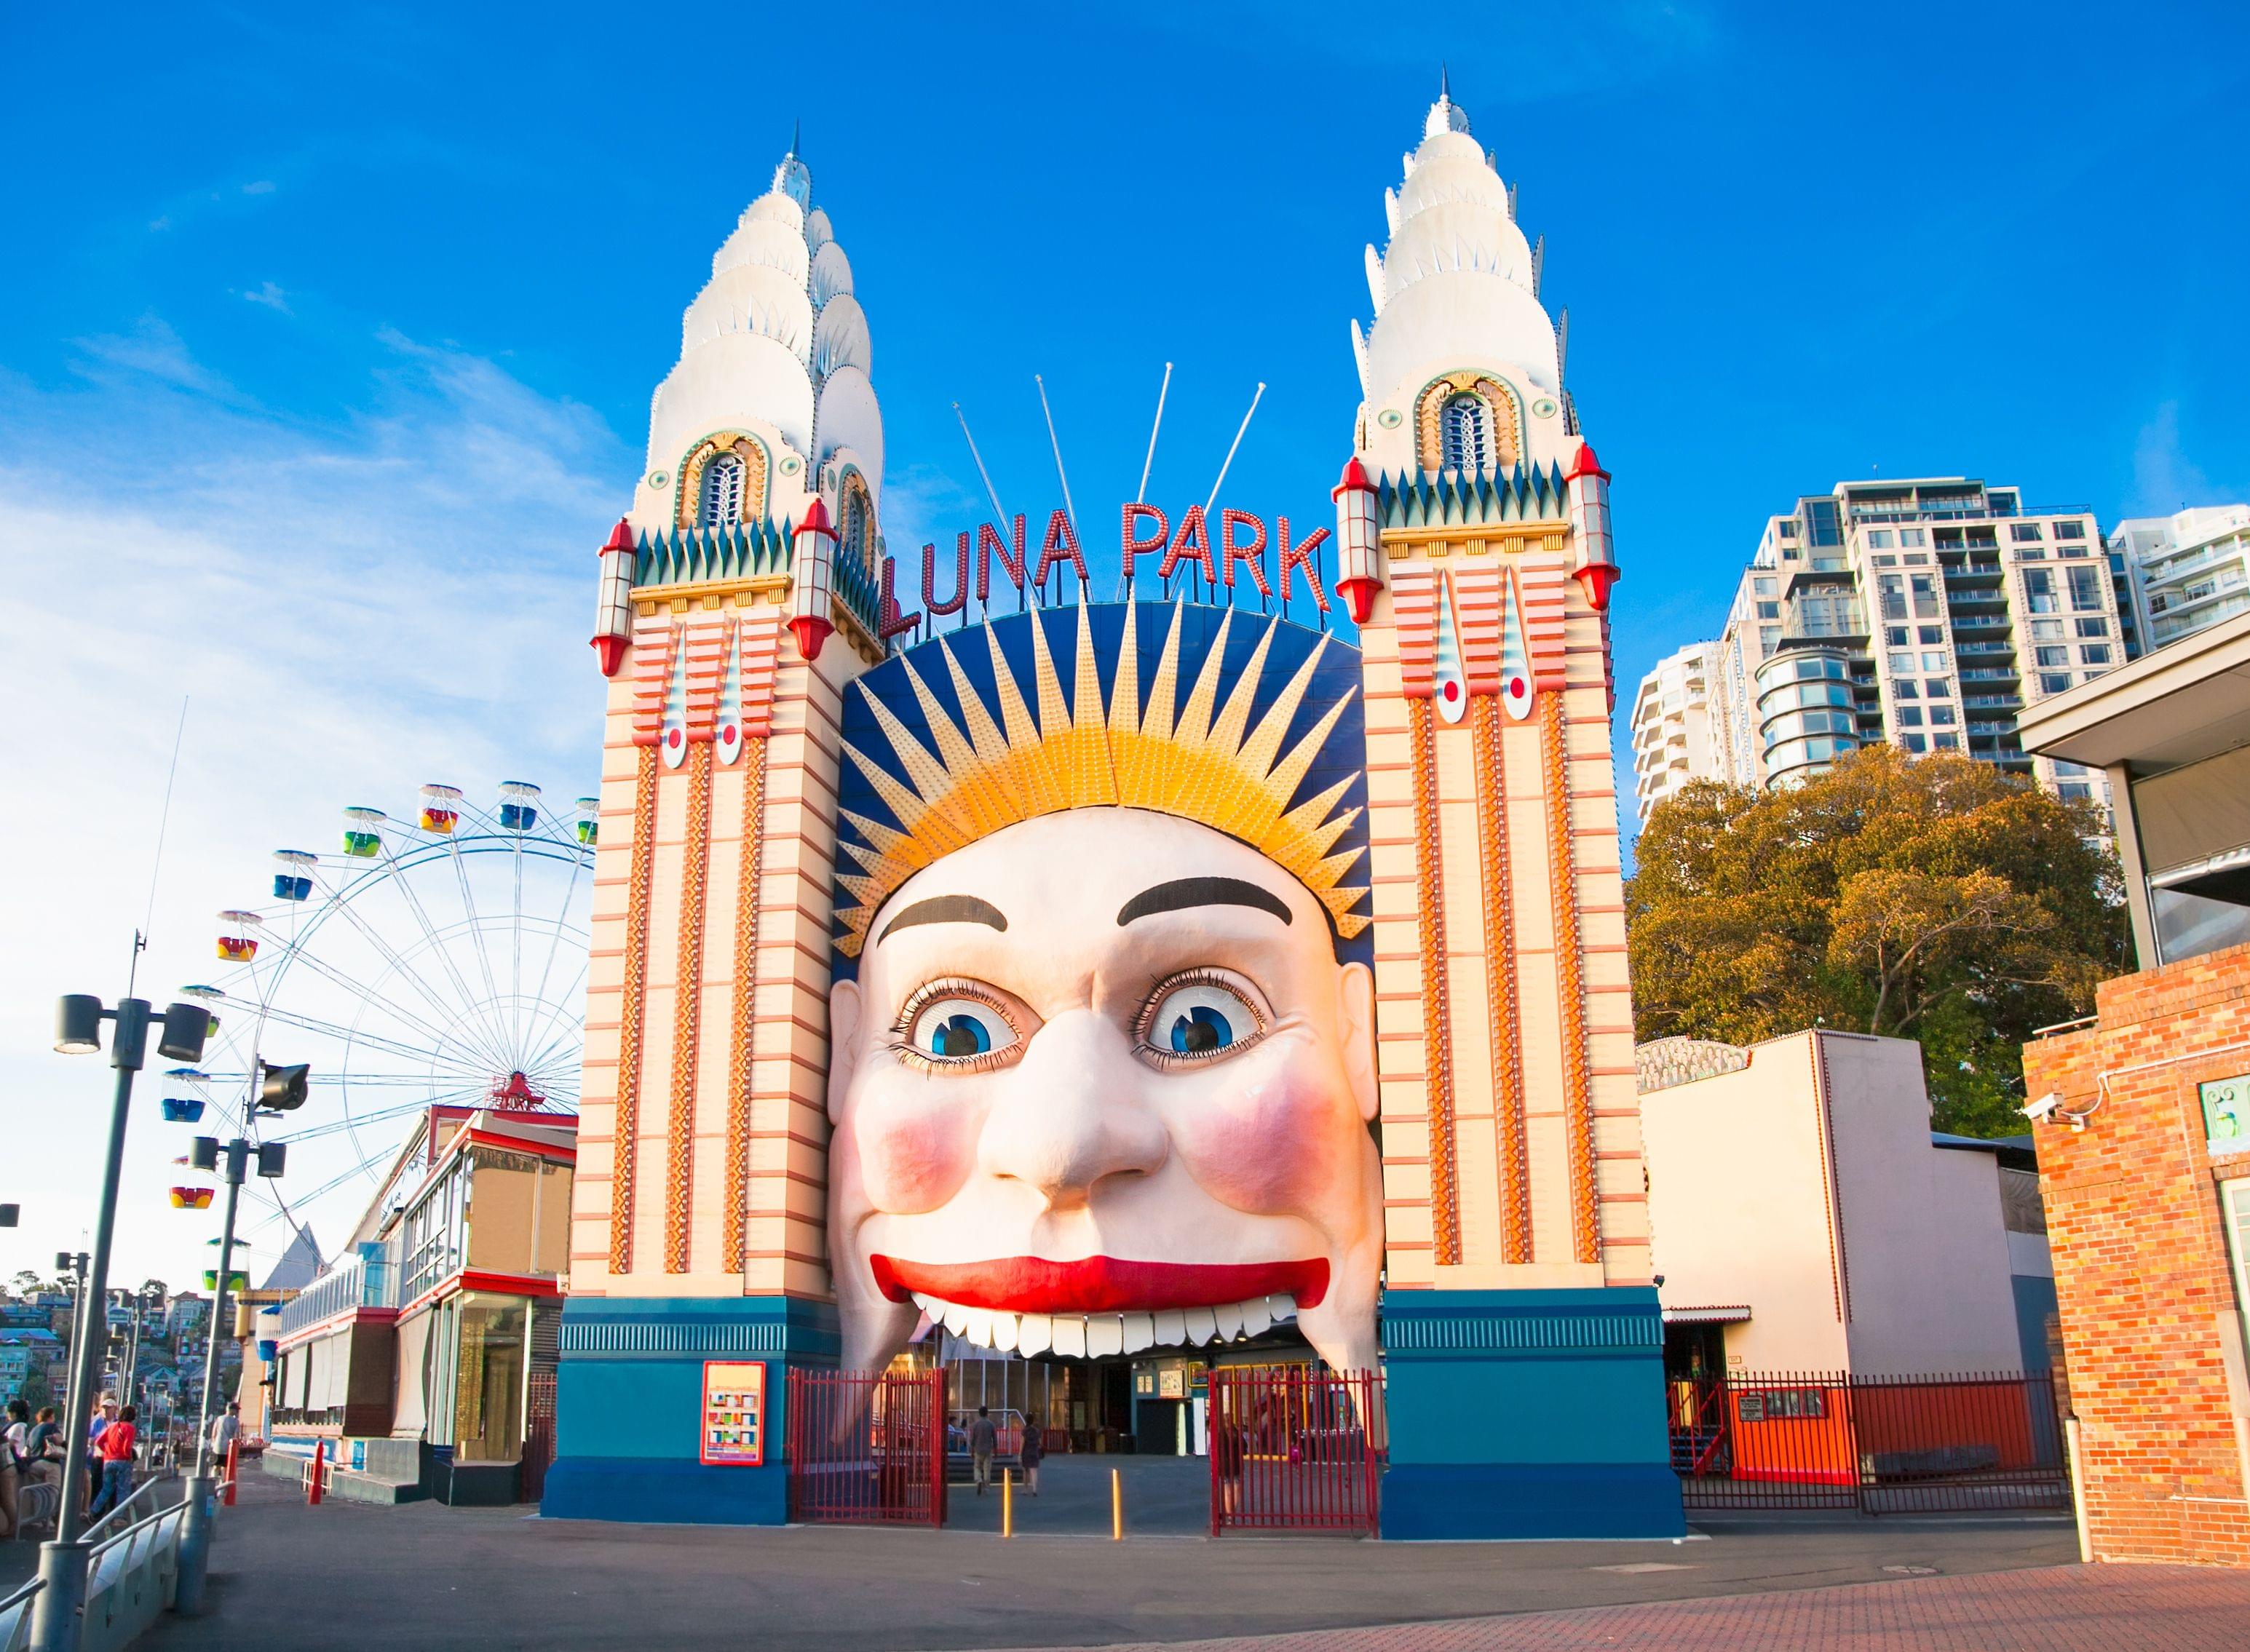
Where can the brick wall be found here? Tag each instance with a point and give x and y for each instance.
(2149, 1316)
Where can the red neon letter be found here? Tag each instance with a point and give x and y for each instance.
(1061, 546)
(889, 622)
(1253, 552)
(1130, 544)
(1191, 544)
(959, 600)
(988, 544)
(1301, 556)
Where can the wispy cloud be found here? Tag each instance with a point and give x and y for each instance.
(2164, 479)
(272, 297)
(350, 609)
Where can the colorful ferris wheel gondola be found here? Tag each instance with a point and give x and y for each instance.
(180, 1107)
(589, 825)
(441, 809)
(363, 832)
(293, 874)
(519, 807)
(191, 1198)
(237, 936)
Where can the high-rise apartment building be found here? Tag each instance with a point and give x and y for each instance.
(1677, 735)
(1925, 612)
(2190, 570)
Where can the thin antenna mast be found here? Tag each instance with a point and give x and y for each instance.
(1069, 509)
(1228, 464)
(990, 492)
(156, 868)
(1140, 492)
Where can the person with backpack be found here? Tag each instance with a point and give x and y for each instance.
(44, 1448)
(115, 1450)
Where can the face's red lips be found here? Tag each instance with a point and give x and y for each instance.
(1098, 1284)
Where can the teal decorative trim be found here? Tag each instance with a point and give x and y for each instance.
(694, 1328)
(1459, 499)
(672, 1338)
(1558, 1333)
(700, 555)
(854, 587)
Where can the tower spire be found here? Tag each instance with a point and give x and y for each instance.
(795, 132)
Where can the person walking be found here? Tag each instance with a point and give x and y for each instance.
(1031, 1453)
(115, 1450)
(15, 1464)
(984, 1440)
(225, 1430)
(46, 1449)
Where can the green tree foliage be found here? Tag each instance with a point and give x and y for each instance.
(1932, 897)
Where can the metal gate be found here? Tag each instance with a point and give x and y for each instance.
(538, 1436)
(1295, 1448)
(867, 1448)
(1883, 1445)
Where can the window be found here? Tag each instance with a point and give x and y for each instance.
(1938, 689)
(1886, 561)
(1892, 588)
(1896, 636)
(1933, 662)
(2046, 631)
(1913, 536)
(1902, 661)
(2074, 791)
(1941, 715)
(1909, 716)
(2094, 654)
(1463, 434)
(1916, 743)
(1947, 742)
(1933, 633)
(1769, 611)
(721, 504)
(1762, 587)
(2025, 533)
(2054, 682)
(2085, 586)
(2093, 628)
(1768, 636)
(1789, 530)
(1879, 539)
(2070, 530)
(1904, 688)
(2053, 656)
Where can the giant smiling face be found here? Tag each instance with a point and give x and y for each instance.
(1102, 1085)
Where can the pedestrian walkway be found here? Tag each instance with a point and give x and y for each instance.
(1166, 1497)
(2105, 1609)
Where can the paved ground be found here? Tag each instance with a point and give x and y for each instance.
(347, 1575)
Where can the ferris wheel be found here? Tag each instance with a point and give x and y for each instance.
(439, 959)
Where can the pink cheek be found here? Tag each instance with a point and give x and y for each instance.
(915, 1150)
(1272, 1141)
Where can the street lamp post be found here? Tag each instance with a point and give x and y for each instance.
(77, 1031)
(195, 1528)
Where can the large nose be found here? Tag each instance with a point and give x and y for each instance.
(1072, 1115)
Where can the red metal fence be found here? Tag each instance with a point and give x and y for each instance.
(1885, 1445)
(1295, 1448)
(867, 1448)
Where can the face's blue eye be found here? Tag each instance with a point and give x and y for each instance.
(1201, 1030)
(1200, 1019)
(955, 1028)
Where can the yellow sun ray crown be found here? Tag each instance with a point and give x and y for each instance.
(1040, 756)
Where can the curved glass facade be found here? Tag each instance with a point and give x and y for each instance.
(1806, 712)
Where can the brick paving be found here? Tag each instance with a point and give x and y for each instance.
(2105, 1609)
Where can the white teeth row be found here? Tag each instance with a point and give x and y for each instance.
(1093, 1336)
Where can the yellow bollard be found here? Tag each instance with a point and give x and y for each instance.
(1007, 1503)
(1117, 1508)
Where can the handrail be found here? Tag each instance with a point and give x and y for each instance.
(130, 1577)
(132, 1498)
(16, 1616)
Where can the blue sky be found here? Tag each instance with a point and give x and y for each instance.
(326, 338)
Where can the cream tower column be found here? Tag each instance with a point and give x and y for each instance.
(738, 597)
(1521, 1326)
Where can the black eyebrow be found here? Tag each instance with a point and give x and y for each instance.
(1183, 893)
(946, 909)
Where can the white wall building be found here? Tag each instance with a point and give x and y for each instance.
(1676, 736)
(2190, 570)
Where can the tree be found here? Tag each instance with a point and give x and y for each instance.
(1933, 897)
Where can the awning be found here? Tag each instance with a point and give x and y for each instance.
(1733, 1314)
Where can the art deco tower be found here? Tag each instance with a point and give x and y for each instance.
(1517, 1259)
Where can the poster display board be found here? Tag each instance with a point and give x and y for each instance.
(734, 1430)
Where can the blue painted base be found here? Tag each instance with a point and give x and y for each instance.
(629, 1397)
(1527, 1414)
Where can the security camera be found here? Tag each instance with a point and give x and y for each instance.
(2044, 1108)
